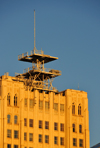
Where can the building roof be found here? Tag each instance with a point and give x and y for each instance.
(96, 146)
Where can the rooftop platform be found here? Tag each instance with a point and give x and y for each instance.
(36, 54)
(43, 73)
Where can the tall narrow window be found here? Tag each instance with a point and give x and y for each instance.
(15, 146)
(62, 127)
(31, 103)
(46, 105)
(15, 119)
(9, 133)
(8, 118)
(46, 139)
(61, 140)
(55, 140)
(79, 109)
(31, 122)
(30, 136)
(62, 107)
(74, 142)
(73, 126)
(40, 138)
(25, 136)
(40, 104)
(15, 134)
(56, 106)
(8, 99)
(25, 121)
(73, 109)
(80, 128)
(40, 124)
(46, 125)
(15, 100)
(55, 126)
(80, 142)
(25, 102)
(8, 145)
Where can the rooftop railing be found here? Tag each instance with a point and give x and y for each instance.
(22, 55)
(34, 51)
(34, 67)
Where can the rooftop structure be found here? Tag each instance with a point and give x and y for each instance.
(38, 76)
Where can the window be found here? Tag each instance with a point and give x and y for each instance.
(62, 107)
(25, 102)
(73, 109)
(40, 124)
(55, 126)
(25, 122)
(15, 119)
(56, 106)
(8, 118)
(15, 146)
(31, 103)
(46, 139)
(31, 122)
(9, 133)
(80, 128)
(61, 127)
(8, 99)
(80, 142)
(73, 126)
(61, 140)
(79, 109)
(15, 100)
(25, 136)
(40, 138)
(46, 125)
(15, 134)
(55, 140)
(30, 136)
(74, 142)
(8, 145)
(40, 104)
(46, 105)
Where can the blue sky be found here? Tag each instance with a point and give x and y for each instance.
(69, 30)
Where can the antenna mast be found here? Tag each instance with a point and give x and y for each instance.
(34, 29)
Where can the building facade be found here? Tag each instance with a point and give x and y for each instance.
(38, 118)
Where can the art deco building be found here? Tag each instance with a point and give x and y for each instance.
(33, 114)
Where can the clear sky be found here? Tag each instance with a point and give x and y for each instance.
(69, 30)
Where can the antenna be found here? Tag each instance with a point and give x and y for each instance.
(34, 29)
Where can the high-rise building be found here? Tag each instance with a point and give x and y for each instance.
(33, 114)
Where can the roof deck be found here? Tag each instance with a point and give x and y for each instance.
(42, 73)
(36, 54)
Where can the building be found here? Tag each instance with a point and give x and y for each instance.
(34, 114)
(96, 146)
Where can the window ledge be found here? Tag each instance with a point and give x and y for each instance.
(16, 106)
(9, 123)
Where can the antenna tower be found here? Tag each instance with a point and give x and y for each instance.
(34, 29)
(37, 76)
